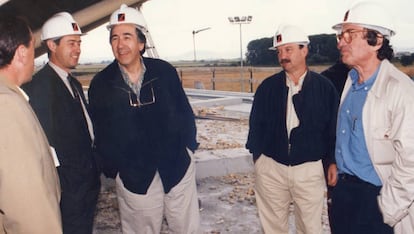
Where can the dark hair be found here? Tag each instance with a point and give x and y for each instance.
(56, 41)
(14, 32)
(386, 51)
(140, 36)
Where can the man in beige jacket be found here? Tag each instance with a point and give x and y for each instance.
(375, 132)
(29, 185)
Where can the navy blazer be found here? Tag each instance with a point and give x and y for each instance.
(136, 142)
(316, 106)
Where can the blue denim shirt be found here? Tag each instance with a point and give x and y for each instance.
(351, 152)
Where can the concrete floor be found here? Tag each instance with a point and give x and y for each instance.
(224, 170)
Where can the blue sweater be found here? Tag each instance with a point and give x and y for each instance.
(316, 106)
(136, 142)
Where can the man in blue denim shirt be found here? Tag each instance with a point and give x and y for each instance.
(351, 150)
(375, 137)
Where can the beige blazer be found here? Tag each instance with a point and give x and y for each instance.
(29, 184)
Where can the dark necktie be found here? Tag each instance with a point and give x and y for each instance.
(73, 87)
(77, 97)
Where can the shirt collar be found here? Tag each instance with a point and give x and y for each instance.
(135, 87)
(289, 82)
(62, 73)
(23, 93)
(367, 83)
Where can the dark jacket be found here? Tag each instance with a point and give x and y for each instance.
(337, 74)
(62, 120)
(67, 132)
(138, 141)
(316, 107)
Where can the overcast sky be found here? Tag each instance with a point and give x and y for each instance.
(171, 23)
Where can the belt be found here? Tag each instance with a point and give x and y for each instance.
(350, 178)
(356, 180)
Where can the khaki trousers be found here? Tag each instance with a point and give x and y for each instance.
(278, 185)
(143, 213)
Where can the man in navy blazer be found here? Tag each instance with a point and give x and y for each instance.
(145, 133)
(59, 103)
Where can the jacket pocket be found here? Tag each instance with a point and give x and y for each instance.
(382, 146)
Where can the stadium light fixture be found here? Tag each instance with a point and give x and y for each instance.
(241, 20)
(194, 33)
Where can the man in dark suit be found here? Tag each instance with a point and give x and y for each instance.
(59, 102)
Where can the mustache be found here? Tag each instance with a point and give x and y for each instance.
(284, 61)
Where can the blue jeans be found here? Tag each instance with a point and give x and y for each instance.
(355, 208)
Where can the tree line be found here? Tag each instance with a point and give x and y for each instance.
(322, 50)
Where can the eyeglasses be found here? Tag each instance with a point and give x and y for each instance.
(348, 35)
(136, 102)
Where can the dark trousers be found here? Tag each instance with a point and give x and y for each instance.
(78, 201)
(355, 209)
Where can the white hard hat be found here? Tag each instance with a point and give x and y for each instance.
(369, 15)
(127, 15)
(289, 34)
(59, 25)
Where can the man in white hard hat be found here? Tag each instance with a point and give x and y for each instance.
(145, 132)
(292, 128)
(29, 184)
(59, 102)
(375, 133)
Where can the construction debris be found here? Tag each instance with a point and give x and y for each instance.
(214, 135)
(242, 192)
(212, 113)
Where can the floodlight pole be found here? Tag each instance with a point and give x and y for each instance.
(241, 20)
(241, 59)
(194, 33)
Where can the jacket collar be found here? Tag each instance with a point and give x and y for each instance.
(379, 87)
(13, 87)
